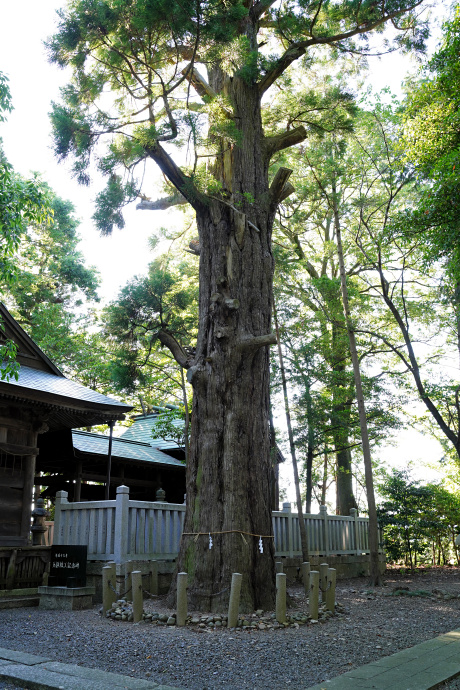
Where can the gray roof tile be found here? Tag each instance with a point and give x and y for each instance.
(141, 430)
(121, 448)
(34, 379)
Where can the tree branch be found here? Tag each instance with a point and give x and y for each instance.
(260, 7)
(278, 185)
(258, 341)
(296, 50)
(182, 183)
(198, 82)
(284, 140)
(175, 348)
(161, 204)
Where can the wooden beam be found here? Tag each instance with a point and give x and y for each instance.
(16, 449)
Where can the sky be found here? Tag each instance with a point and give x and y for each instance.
(34, 83)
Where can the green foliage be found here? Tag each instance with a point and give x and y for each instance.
(128, 61)
(170, 426)
(22, 202)
(431, 140)
(165, 299)
(5, 97)
(417, 519)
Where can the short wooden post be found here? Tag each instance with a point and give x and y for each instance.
(330, 592)
(181, 614)
(313, 602)
(279, 566)
(154, 577)
(107, 594)
(234, 601)
(306, 576)
(323, 568)
(138, 602)
(129, 567)
(281, 597)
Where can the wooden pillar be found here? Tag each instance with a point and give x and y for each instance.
(78, 473)
(27, 495)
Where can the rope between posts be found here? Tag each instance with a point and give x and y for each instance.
(120, 596)
(228, 531)
(195, 592)
(152, 596)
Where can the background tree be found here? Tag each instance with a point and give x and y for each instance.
(22, 201)
(308, 272)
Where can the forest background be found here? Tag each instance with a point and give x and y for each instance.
(59, 310)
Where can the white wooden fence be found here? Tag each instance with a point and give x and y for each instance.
(123, 530)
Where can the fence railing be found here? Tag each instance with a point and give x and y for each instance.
(123, 530)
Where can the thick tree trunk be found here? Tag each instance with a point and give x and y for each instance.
(228, 473)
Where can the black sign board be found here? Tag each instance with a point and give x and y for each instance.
(68, 566)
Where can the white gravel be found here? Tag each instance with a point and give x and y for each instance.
(374, 625)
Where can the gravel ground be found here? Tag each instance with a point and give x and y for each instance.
(374, 625)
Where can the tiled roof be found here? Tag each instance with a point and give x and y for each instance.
(35, 379)
(141, 430)
(98, 444)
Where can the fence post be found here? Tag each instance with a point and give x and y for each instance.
(108, 596)
(121, 524)
(138, 601)
(306, 576)
(323, 568)
(323, 513)
(279, 566)
(290, 544)
(154, 577)
(354, 515)
(330, 592)
(234, 601)
(129, 567)
(181, 614)
(113, 565)
(281, 597)
(313, 601)
(61, 497)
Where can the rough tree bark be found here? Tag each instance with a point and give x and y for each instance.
(228, 473)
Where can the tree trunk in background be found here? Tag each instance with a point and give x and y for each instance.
(324, 486)
(274, 476)
(341, 416)
(310, 450)
(375, 577)
(302, 528)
